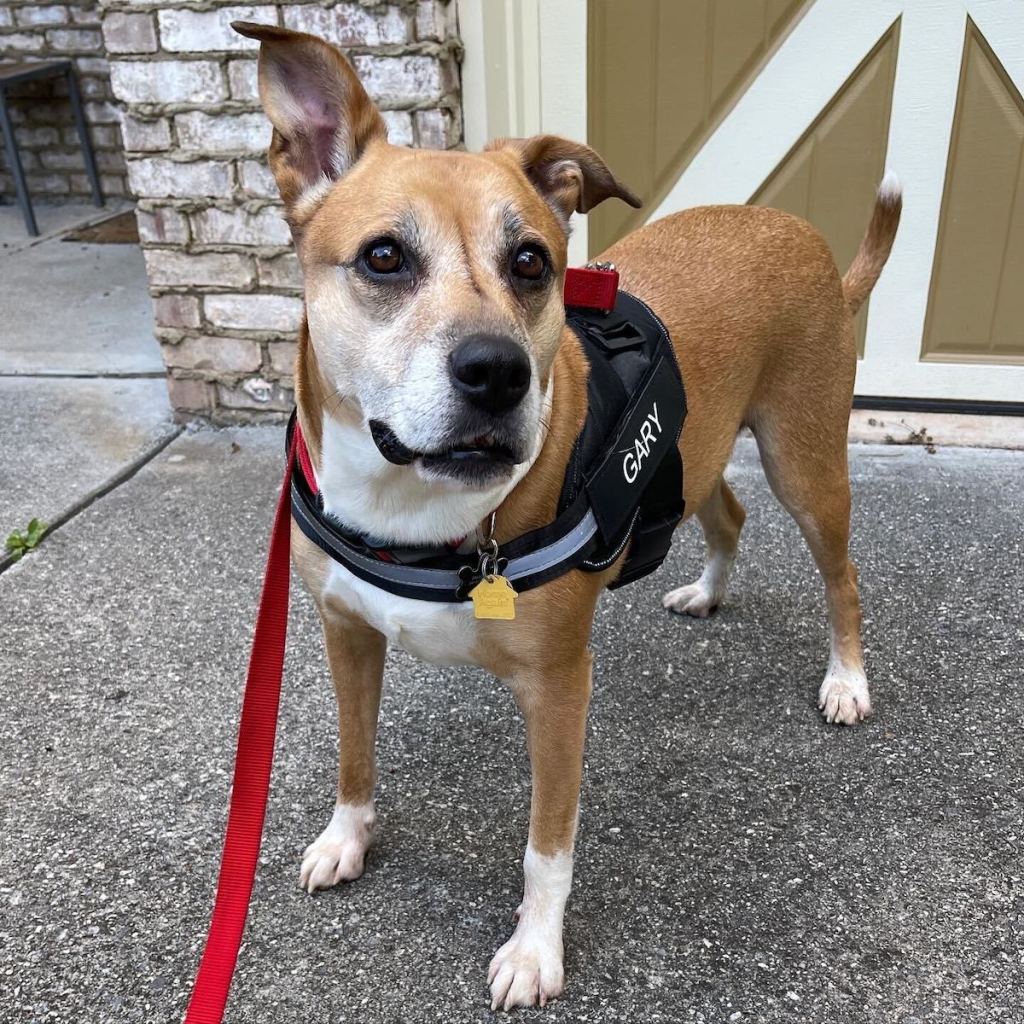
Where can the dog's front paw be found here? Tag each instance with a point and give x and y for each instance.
(527, 970)
(843, 698)
(697, 599)
(339, 852)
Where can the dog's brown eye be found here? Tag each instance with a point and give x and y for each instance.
(529, 263)
(385, 257)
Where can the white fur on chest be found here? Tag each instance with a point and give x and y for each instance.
(395, 504)
(442, 634)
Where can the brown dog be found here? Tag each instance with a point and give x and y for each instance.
(409, 256)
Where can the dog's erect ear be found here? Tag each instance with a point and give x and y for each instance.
(323, 120)
(569, 175)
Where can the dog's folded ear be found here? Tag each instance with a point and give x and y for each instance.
(569, 175)
(323, 119)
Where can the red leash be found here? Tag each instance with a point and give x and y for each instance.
(251, 784)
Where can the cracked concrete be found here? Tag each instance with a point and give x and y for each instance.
(61, 441)
(82, 394)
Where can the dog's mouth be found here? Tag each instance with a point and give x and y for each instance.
(482, 459)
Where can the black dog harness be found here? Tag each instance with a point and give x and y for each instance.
(623, 484)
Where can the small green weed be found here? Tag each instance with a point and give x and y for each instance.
(18, 543)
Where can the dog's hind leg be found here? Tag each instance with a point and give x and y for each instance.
(356, 655)
(804, 457)
(721, 518)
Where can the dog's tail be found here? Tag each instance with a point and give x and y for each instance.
(874, 249)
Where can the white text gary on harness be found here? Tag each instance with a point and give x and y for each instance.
(634, 457)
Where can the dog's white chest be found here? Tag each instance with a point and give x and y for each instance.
(442, 634)
(361, 489)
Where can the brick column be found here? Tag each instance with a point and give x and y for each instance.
(221, 268)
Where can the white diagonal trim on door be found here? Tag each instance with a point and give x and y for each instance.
(797, 83)
(788, 95)
(923, 105)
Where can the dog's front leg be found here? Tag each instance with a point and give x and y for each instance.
(356, 655)
(527, 970)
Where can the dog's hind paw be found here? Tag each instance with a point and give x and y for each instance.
(526, 971)
(339, 853)
(843, 698)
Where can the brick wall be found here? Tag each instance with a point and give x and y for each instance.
(47, 141)
(221, 267)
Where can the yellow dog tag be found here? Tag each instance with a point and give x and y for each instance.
(493, 598)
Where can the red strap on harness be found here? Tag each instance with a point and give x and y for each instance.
(251, 783)
(593, 287)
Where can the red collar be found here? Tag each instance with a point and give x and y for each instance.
(305, 462)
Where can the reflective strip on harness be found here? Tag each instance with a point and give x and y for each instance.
(555, 554)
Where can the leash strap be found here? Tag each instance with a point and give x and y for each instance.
(251, 783)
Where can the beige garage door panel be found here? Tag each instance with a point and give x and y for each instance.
(661, 76)
(780, 103)
(831, 175)
(976, 306)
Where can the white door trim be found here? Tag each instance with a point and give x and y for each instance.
(525, 73)
(499, 95)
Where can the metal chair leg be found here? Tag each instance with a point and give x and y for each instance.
(14, 161)
(83, 137)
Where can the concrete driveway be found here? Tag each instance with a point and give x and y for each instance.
(738, 860)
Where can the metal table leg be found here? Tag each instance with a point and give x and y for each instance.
(14, 161)
(83, 137)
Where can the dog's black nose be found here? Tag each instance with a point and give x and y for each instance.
(492, 372)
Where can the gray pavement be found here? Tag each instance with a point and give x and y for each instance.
(61, 441)
(71, 308)
(83, 401)
(738, 860)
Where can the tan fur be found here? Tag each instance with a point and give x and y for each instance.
(762, 327)
(874, 250)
